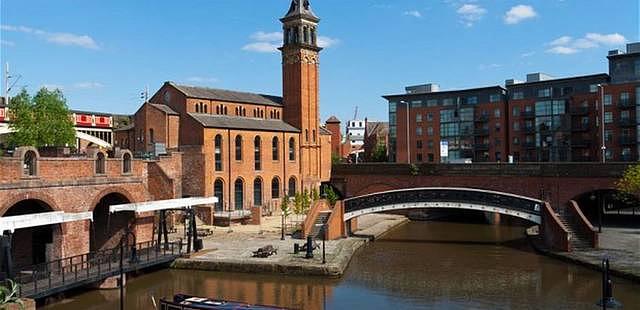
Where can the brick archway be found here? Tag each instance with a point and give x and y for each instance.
(13, 200)
(108, 228)
(109, 191)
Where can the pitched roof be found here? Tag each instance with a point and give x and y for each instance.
(325, 131)
(332, 119)
(125, 128)
(377, 128)
(164, 108)
(234, 122)
(300, 8)
(227, 95)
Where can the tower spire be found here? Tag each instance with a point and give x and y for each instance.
(300, 9)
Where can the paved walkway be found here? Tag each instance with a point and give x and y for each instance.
(620, 245)
(231, 249)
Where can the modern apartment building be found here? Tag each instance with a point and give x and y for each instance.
(580, 118)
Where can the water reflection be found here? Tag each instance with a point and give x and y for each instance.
(470, 266)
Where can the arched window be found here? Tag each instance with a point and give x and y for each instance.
(306, 35)
(292, 149)
(100, 163)
(126, 163)
(314, 135)
(237, 113)
(239, 194)
(292, 186)
(275, 149)
(218, 192)
(218, 110)
(197, 108)
(152, 138)
(275, 188)
(306, 135)
(257, 192)
(257, 153)
(244, 112)
(225, 110)
(29, 167)
(262, 113)
(313, 36)
(218, 153)
(271, 114)
(238, 147)
(205, 109)
(286, 36)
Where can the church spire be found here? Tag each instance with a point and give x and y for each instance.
(300, 9)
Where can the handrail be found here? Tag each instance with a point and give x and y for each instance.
(310, 219)
(583, 223)
(555, 233)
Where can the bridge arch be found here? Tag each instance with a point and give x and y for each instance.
(445, 197)
(108, 228)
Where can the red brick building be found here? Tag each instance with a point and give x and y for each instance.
(247, 149)
(580, 119)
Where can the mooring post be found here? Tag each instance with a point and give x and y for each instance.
(309, 247)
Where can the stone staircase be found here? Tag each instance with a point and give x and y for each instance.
(323, 217)
(578, 240)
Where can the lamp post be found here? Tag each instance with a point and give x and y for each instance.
(603, 146)
(407, 125)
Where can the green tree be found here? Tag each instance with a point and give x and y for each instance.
(284, 207)
(379, 153)
(297, 205)
(332, 197)
(335, 159)
(41, 120)
(629, 184)
(314, 194)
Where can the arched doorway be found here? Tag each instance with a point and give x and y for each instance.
(218, 192)
(609, 207)
(34, 245)
(108, 228)
(239, 194)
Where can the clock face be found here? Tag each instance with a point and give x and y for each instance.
(167, 96)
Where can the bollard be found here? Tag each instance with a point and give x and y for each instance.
(309, 248)
(607, 301)
(296, 248)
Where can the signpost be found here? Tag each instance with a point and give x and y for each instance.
(444, 150)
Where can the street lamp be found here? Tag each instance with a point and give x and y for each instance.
(408, 150)
(603, 146)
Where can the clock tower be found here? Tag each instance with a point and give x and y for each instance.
(300, 61)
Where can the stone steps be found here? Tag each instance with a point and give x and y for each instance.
(322, 219)
(578, 239)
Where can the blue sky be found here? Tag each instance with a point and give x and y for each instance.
(103, 53)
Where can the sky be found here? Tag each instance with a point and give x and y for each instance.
(102, 54)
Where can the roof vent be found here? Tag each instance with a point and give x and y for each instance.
(633, 48)
(614, 52)
(537, 77)
(422, 89)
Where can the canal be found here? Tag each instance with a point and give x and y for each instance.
(434, 265)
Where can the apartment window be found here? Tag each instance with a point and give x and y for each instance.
(515, 111)
(430, 157)
(608, 117)
(238, 147)
(419, 144)
(292, 149)
(495, 98)
(516, 140)
(593, 88)
(498, 156)
(275, 188)
(430, 131)
(418, 118)
(496, 113)
(430, 115)
(218, 153)
(432, 103)
(608, 135)
(472, 100)
(392, 106)
(637, 67)
(419, 131)
(624, 97)
(498, 126)
(257, 192)
(447, 102)
(517, 95)
(607, 99)
(608, 154)
(416, 104)
(419, 157)
(516, 126)
(545, 92)
(430, 144)
(625, 114)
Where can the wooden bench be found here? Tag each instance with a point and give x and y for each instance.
(265, 251)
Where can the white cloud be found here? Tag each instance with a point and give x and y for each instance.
(269, 42)
(413, 13)
(261, 47)
(471, 13)
(88, 85)
(519, 13)
(567, 45)
(199, 79)
(562, 50)
(60, 38)
(326, 42)
(7, 43)
(527, 54)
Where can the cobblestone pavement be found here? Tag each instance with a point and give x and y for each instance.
(231, 249)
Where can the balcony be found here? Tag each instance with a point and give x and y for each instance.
(626, 104)
(481, 147)
(582, 158)
(481, 132)
(627, 140)
(579, 110)
(627, 157)
(581, 143)
(580, 127)
(528, 114)
(627, 122)
(529, 129)
(482, 119)
(529, 145)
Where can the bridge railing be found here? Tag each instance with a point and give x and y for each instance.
(93, 266)
(485, 198)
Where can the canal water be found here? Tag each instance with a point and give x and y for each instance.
(420, 265)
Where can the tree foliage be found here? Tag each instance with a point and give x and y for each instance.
(379, 153)
(335, 159)
(331, 195)
(9, 295)
(630, 182)
(41, 120)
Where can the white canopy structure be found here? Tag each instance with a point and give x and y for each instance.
(80, 135)
(12, 223)
(171, 204)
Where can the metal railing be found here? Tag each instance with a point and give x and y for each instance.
(44, 279)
